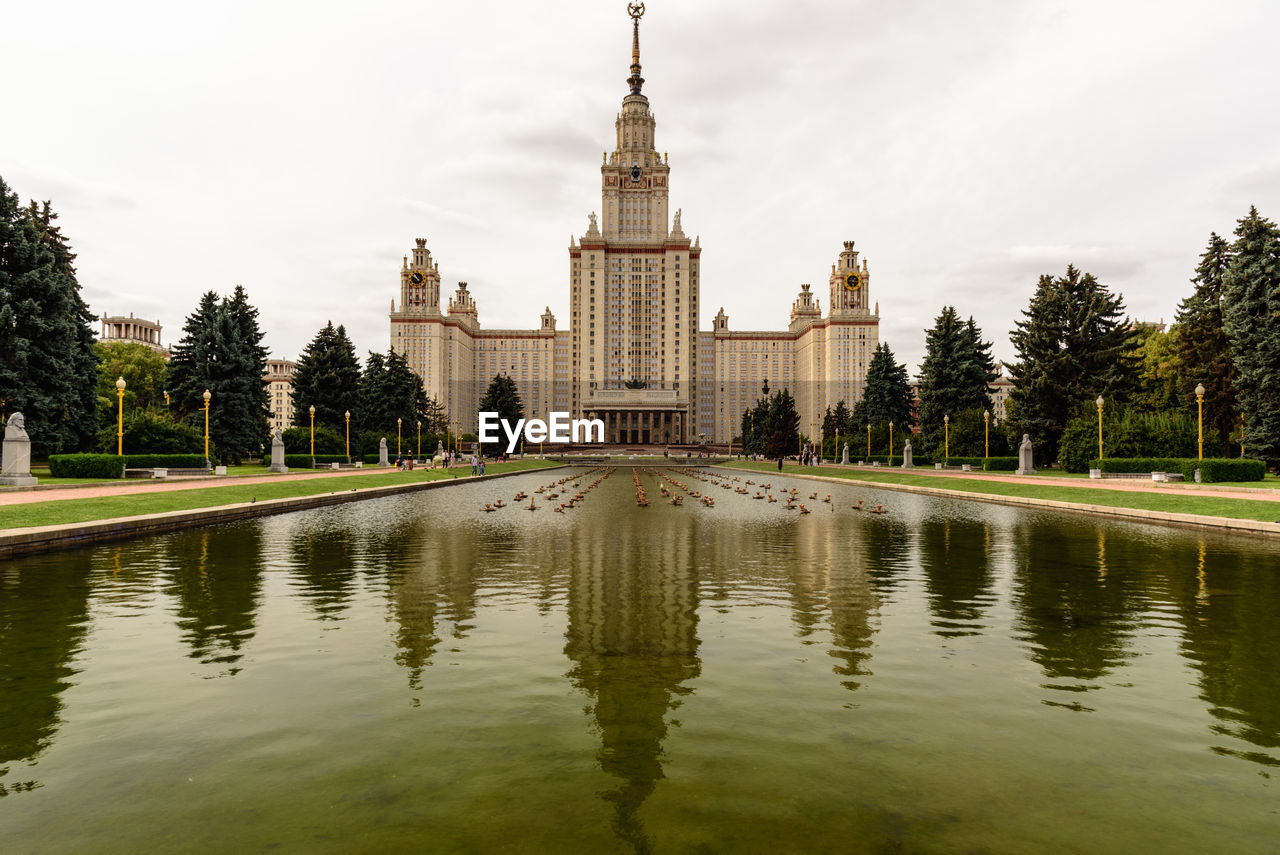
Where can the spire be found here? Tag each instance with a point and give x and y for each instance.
(636, 11)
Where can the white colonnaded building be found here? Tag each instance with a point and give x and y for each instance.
(634, 355)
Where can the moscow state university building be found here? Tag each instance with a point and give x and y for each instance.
(634, 354)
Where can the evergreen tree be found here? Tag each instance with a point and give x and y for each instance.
(436, 418)
(192, 357)
(48, 369)
(1251, 316)
(241, 401)
(373, 382)
(782, 426)
(328, 378)
(390, 390)
(955, 376)
(221, 351)
(502, 397)
(888, 395)
(1203, 352)
(1073, 345)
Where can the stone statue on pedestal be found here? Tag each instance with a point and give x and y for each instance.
(907, 462)
(845, 458)
(382, 452)
(1025, 454)
(277, 453)
(16, 466)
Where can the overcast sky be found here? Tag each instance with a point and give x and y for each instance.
(298, 149)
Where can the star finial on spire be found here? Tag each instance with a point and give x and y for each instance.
(636, 11)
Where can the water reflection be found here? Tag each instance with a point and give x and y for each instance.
(215, 575)
(43, 613)
(1232, 638)
(633, 639)
(322, 561)
(955, 557)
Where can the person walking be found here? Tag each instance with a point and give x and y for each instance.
(779, 463)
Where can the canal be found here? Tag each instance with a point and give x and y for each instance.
(415, 674)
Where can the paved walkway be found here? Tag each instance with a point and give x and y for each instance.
(1261, 494)
(126, 488)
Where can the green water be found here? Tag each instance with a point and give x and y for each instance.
(414, 675)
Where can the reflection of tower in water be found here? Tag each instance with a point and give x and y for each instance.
(632, 637)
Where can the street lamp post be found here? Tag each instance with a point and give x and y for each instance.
(890, 443)
(986, 432)
(120, 416)
(1099, 402)
(1200, 415)
(166, 397)
(207, 397)
(946, 437)
(868, 442)
(313, 432)
(419, 455)
(347, 417)
(398, 422)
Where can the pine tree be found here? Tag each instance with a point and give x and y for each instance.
(241, 402)
(221, 351)
(502, 397)
(328, 378)
(373, 382)
(390, 390)
(48, 368)
(955, 376)
(192, 357)
(1202, 350)
(888, 395)
(1073, 346)
(782, 426)
(1251, 316)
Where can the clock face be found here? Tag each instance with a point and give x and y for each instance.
(853, 282)
(416, 277)
(635, 173)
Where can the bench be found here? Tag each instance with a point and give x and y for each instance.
(162, 472)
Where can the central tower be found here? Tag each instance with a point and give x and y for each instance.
(634, 289)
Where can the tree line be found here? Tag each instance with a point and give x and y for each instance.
(1074, 345)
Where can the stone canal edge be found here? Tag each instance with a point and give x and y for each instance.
(28, 541)
(1135, 514)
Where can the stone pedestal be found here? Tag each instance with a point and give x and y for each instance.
(844, 459)
(1025, 454)
(908, 456)
(277, 453)
(15, 471)
(382, 452)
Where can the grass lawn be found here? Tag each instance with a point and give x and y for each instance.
(64, 511)
(1164, 502)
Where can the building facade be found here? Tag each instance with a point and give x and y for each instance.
(279, 380)
(120, 330)
(634, 355)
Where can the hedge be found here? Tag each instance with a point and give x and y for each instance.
(1139, 464)
(916, 459)
(304, 461)
(1211, 469)
(86, 466)
(1002, 464)
(1226, 469)
(164, 461)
